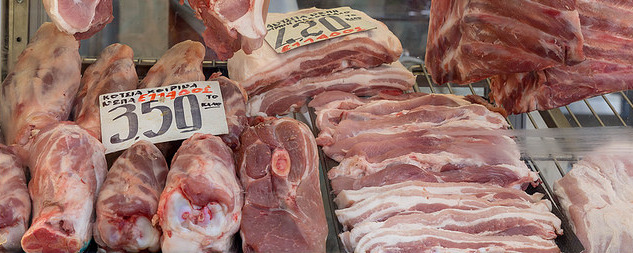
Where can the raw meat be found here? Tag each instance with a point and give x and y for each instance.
(232, 25)
(429, 240)
(113, 71)
(41, 88)
(68, 167)
(597, 197)
(200, 208)
(81, 18)
(393, 78)
(496, 220)
(234, 98)
(129, 199)
(180, 64)
(608, 68)
(279, 169)
(408, 199)
(15, 203)
(264, 69)
(470, 40)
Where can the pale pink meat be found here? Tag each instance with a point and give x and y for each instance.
(231, 24)
(234, 98)
(265, 69)
(15, 203)
(41, 88)
(279, 169)
(201, 206)
(606, 26)
(81, 18)
(68, 167)
(180, 64)
(393, 78)
(470, 40)
(113, 71)
(128, 200)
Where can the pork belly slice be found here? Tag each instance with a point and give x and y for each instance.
(392, 78)
(15, 203)
(596, 196)
(180, 64)
(200, 208)
(129, 199)
(113, 71)
(234, 98)
(81, 18)
(608, 68)
(265, 69)
(41, 88)
(470, 40)
(279, 169)
(232, 25)
(416, 199)
(427, 240)
(68, 167)
(496, 220)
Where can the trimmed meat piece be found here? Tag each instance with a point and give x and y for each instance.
(128, 200)
(113, 71)
(180, 64)
(15, 203)
(234, 98)
(68, 167)
(279, 169)
(81, 18)
(42, 86)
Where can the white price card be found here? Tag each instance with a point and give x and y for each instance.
(161, 114)
(304, 29)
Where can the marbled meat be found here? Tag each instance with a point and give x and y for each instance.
(15, 203)
(81, 18)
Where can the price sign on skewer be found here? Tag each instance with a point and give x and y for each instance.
(304, 29)
(161, 114)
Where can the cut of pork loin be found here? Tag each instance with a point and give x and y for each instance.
(129, 199)
(41, 88)
(470, 40)
(279, 169)
(68, 167)
(200, 208)
(234, 98)
(597, 197)
(495, 220)
(433, 240)
(232, 25)
(265, 69)
(180, 64)
(362, 82)
(415, 198)
(608, 68)
(113, 71)
(81, 18)
(15, 203)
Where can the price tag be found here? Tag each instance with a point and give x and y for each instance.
(304, 29)
(161, 114)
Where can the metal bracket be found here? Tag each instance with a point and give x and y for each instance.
(555, 118)
(18, 30)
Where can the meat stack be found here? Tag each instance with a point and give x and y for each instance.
(539, 54)
(424, 171)
(361, 63)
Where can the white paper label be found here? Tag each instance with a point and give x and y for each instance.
(161, 114)
(304, 29)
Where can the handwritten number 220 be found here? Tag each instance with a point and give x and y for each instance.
(167, 118)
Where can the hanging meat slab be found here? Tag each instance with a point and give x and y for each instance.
(113, 71)
(15, 203)
(265, 69)
(68, 167)
(200, 208)
(609, 66)
(232, 25)
(470, 40)
(41, 88)
(279, 169)
(128, 200)
(81, 18)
